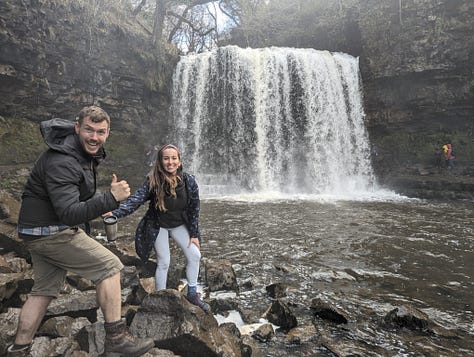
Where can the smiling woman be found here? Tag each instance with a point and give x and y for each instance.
(173, 212)
(170, 160)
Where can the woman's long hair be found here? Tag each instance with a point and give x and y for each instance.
(162, 182)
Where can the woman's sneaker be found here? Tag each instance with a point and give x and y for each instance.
(196, 300)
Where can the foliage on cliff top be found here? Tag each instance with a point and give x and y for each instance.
(101, 13)
(294, 23)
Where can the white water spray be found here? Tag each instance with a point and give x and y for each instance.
(272, 120)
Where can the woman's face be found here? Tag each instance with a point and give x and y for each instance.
(170, 161)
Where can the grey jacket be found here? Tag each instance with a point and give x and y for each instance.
(61, 189)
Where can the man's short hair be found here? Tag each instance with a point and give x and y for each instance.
(94, 113)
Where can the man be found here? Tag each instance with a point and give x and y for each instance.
(59, 195)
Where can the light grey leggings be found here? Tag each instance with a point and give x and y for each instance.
(193, 256)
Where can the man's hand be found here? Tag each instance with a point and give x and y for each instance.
(119, 189)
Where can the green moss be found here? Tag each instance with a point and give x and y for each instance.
(20, 141)
(13, 183)
(125, 158)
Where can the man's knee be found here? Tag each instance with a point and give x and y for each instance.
(113, 276)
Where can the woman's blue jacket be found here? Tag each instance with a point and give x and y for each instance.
(149, 225)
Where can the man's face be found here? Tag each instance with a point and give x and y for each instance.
(92, 136)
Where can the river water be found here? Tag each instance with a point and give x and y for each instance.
(366, 257)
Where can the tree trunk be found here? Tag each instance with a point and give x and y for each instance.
(159, 18)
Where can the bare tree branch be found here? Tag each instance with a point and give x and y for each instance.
(139, 8)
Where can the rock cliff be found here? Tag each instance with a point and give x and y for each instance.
(58, 56)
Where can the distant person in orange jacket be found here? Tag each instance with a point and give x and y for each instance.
(449, 156)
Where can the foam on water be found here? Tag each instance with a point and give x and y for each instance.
(275, 196)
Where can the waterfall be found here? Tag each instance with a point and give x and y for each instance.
(273, 119)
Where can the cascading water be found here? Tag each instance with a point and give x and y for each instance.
(274, 119)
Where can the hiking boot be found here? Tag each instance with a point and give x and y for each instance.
(196, 300)
(119, 342)
(24, 352)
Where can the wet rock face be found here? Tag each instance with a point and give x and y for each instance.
(416, 67)
(415, 57)
(416, 60)
(57, 57)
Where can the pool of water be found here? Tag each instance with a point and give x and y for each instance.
(366, 257)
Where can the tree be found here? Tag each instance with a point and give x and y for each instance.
(188, 22)
(280, 22)
(193, 27)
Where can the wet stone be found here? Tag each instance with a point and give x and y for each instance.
(221, 276)
(276, 290)
(409, 317)
(281, 315)
(264, 333)
(328, 312)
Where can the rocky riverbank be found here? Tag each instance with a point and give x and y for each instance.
(446, 186)
(427, 181)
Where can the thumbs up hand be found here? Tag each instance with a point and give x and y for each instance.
(119, 189)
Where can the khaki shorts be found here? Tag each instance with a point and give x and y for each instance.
(69, 250)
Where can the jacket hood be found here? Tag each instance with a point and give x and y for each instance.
(60, 135)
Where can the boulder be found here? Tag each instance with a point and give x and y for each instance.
(276, 290)
(264, 333)
(280, 314)
(328, 312)
(221, 276)
(178, 326)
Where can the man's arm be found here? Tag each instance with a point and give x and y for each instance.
(62, 181)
